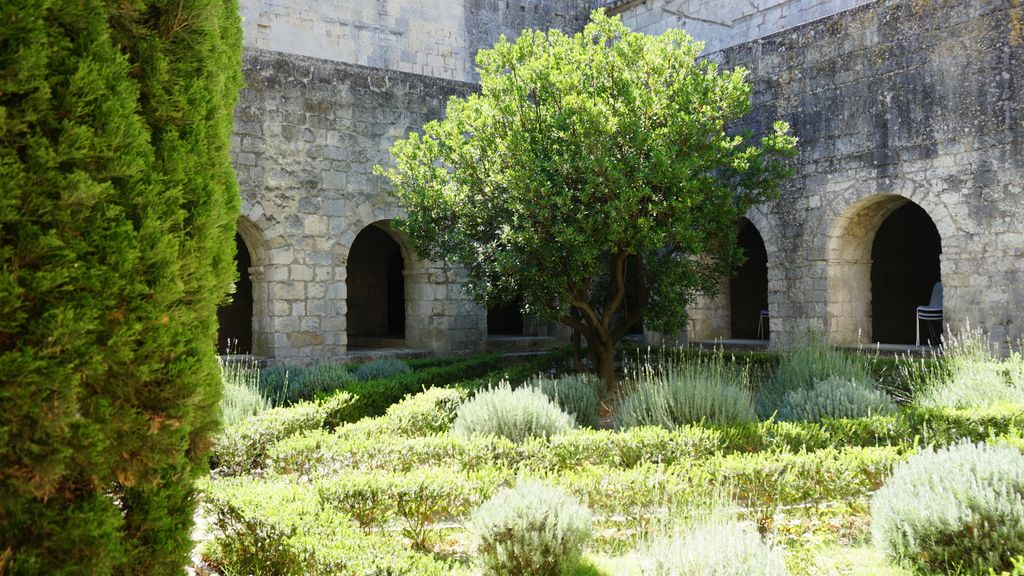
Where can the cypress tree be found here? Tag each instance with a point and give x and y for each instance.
(117, 211)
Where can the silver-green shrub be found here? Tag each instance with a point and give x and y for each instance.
(810, 360)
(533, 528)
(956, 509)
(717, 546)
(677, 393)
(381, 368)
(514, 414)
(576, 394)
(285, 385)
(835, 397)
(242, 397)
(970, 374)
(429, 412)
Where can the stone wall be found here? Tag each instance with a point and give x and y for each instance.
(895, 101)
(723, 24)
(436, 38)
(307, 135)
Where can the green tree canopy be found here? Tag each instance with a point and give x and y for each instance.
(593, 175)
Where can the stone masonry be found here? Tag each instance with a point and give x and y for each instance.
(723, 24)
(329, 88)
(894, 101)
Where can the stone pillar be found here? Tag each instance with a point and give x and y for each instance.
(439, 315)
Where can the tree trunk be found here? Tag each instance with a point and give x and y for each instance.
(606, 365)
(577, 350)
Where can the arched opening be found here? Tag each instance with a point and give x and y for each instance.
(234, 335)
(748, 288)
(376, 290)
(904, 268)
(506, 319)
(883, 261)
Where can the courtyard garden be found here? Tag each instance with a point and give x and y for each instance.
(812, 461)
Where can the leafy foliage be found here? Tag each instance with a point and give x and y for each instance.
(676, 393)
(429, 412)
(575, 394)
(117, 210)
(280, 526)
(532, 528)
(835, 398)
(244, 446)
(592, 176)
(955, 508)
(514, 414)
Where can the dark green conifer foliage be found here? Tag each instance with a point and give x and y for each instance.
(117, 211)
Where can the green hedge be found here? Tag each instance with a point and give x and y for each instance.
(280, 526)
(416, 500)
(363, 446)
(118, 205)
(242, 448)
(374, 397)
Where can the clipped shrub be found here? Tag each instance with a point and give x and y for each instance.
(429, 412)
(959, 508)
(641, 499)
(835, 398)
(514, 414)
(717, 546)
(282, 527)
(374, 397)
(244, 446)
(118, 204)
(532, 528)
(419, 499)
(575, 394)
(678, 393)
(381, 368)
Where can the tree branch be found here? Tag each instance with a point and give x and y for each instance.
(620, 288)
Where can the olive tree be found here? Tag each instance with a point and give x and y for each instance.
(594, 176)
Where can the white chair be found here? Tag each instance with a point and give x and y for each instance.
(933, 311)
(760, 324)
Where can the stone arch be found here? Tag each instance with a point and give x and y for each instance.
(734, 313)
(244, 321)
(880, 235)
(748, 287)
(376, 287)
(506, 319)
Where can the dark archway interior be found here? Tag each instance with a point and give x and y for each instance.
(234, 335)
(506, 319)
(748, 288)
(904, 267)
(376, 286)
